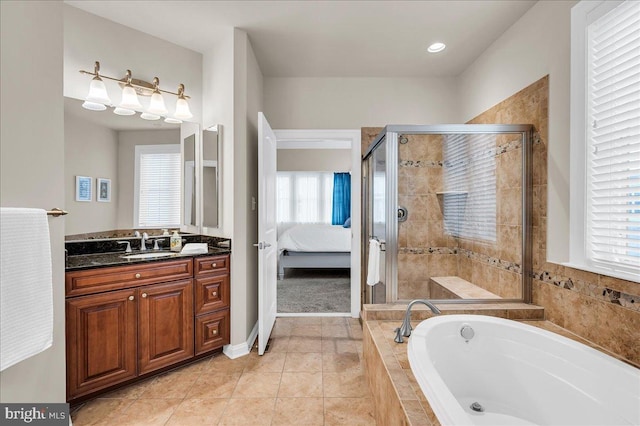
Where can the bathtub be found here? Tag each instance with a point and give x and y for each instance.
(516, 374)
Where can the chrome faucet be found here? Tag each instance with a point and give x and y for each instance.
(405, 328)
(145, 237)
(128, 249)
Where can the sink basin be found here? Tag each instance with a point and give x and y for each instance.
(149, 255)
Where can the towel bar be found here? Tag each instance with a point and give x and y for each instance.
(55, 212)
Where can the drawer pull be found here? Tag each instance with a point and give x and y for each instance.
(144, 295)
(131, 297)
(213, 265)
(138, 275)
(214, 332)
(214, 293)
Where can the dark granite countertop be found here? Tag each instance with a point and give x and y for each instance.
(100, 260)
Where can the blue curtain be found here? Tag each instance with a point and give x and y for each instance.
(341, 210)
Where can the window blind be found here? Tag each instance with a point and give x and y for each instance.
(158, 177)
(304, 197)
(469, 177)
(613, 140)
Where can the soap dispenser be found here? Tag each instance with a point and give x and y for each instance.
(176, 241)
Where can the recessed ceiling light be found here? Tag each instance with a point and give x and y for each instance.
(436, 47)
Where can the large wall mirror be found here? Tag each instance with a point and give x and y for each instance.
(138, 161)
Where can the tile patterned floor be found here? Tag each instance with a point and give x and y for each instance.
(313, 374)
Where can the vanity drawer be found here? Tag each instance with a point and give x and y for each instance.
(207, 265)
(117, 277)
(212, 293)
(212, 331)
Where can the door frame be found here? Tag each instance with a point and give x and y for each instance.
(337, 138)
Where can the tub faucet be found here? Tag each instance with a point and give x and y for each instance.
(405, 328)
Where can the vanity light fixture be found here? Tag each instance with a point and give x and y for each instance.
(98, 98)
(436, 47)
(156, 106)
(182, 107)
(149, 116)
(129, 97)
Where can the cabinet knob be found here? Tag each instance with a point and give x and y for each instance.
(131, 297)
(214, 293)
(213, 265)
(138, 275)
(214, 332)
(144, 295)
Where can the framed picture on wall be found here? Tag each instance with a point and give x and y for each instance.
(103, 189)
(83, 188)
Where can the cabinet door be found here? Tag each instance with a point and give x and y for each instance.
(212, 293)
(212, 331)
(101, 341)
(165, 327)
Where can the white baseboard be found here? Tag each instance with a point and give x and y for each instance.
(241, 349)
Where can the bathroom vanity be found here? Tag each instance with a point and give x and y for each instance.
(131, 320)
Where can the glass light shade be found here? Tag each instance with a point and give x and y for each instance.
(123, 111)
(98, 92)
(182, 109)
(93, 106)
(130, 98)
(156, 106)
(172, 120)
(148, 116)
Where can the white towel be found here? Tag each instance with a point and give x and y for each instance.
(26, 294)
(373, 269)
(195, 248)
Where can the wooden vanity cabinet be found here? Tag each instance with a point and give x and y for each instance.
(101, 341)
(147, 324)
(165, 326)
(213, 297)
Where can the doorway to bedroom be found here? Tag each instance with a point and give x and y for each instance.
(315, 204)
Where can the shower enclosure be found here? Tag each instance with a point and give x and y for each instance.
(450, 206)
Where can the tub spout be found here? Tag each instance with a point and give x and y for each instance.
(405, 328)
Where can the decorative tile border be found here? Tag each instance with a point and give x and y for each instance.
(478, 257)
(427, 250)
(491, 261)
(590, 289)
(420, 163)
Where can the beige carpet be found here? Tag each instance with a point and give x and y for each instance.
(315, 290)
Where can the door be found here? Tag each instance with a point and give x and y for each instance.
(165, 324)
(101, 341)
(378, 205)
(267, 232)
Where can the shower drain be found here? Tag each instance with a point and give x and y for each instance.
(477, 407)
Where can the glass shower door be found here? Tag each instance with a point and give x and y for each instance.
(378, 203)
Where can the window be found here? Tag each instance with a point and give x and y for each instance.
(304, 197)
(605, 138)
(157, 186)
(469, 177)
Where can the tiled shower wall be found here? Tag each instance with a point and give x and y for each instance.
(602, 309)
(599, 308)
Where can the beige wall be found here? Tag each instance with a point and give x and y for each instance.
(127, 141)
(314, 160)
(352, 103)
(90, 150)
(536, 45)
(32, 166)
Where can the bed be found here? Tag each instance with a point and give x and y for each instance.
(314, 246)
